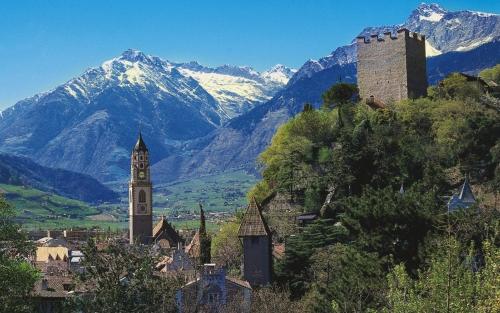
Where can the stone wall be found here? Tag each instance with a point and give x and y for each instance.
(392, 68)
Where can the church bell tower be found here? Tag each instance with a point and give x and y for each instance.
(140, 195)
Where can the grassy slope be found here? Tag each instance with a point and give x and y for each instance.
(39, 208)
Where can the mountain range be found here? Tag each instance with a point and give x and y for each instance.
(199, 120)
(89, 123)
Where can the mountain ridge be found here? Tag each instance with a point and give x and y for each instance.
(21, 171)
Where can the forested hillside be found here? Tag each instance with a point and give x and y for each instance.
(380, 180)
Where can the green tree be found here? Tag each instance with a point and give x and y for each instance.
(17, 276)
(205, 240)
(452, 283)
(391, 224)
(294, 270)
(122, 279)
(339, 94)
(456, 86)
(349, 279)
(226, 247)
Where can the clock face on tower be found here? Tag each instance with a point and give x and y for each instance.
(142, 175)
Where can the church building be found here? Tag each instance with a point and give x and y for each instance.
(140, 193)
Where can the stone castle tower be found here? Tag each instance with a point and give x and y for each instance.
(392, 68)
(140, 193)
(257, 246)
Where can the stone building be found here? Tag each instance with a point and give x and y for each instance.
(257, 246)
(140, 195)
(392, 67)
(213, 291)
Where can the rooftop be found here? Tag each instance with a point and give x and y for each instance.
(253, 223)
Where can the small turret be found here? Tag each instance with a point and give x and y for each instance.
(257, 246)
(464, 199)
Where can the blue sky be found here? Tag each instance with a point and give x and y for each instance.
(45, 43)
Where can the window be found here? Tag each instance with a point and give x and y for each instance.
(141, 157)
(141, 165)
(213, 298)
(142, 196)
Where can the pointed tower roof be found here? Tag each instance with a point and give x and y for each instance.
(253, 223)
(464, 199)
(140, 145)
(466, 194)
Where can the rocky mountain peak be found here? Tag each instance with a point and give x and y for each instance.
(133, 55)
(428, 9)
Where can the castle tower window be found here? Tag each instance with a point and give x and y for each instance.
(141, 158)
(142, 196)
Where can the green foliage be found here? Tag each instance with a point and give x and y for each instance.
(226, 247)
(350, 279)
(17, 276)
(491, 74)
(122, 279)
(205, 240)
(456, 86)
(339, 94)
(452, 283)
(294, 269)
(391, 224)
(349, 162)
(414, 141)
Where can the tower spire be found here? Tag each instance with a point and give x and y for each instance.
(140, 145)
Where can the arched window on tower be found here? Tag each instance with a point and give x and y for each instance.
(142, 196)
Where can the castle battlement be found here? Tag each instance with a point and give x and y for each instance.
(391, 66)
(401, 33)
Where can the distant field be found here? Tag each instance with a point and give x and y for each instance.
(218, 193)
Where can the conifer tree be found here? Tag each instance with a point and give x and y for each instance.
(205, 240)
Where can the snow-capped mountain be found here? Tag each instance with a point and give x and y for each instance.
(238, 89)
(89, 123)
(445, 31)
(239, 142)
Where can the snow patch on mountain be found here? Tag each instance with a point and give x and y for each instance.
(475, 44)
(432, 13)
(234, 93)
(278, 74)
(238, 88)
(483, 14)
(430, 51)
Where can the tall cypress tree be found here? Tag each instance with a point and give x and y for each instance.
(205, 240)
